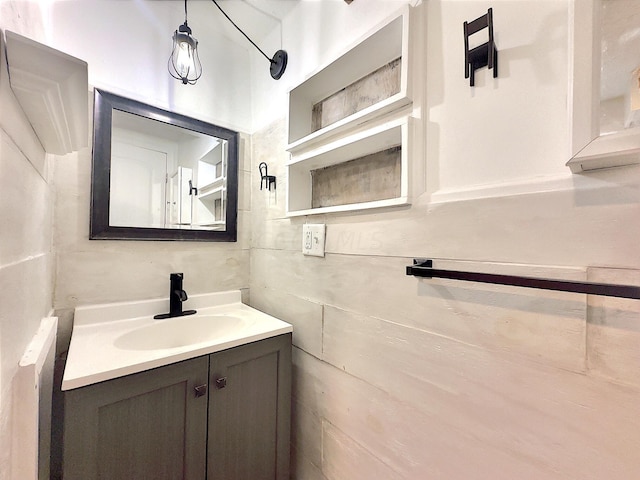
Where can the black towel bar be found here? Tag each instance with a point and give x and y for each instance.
(424, 268)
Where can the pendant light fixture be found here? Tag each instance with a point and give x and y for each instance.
(279, 60)
(184, 63)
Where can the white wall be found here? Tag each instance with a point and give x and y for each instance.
(397, 378)
(313, 34)
(394, 378)
(502, 128)
(26, 258)
(96, 271)
(127, 45)
(122, 44)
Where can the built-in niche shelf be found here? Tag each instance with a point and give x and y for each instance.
(53, 90)
(368, 80)
(212, 192)
(350, 126)
(211, 206)
(367, 169)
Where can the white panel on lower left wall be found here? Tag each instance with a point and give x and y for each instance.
(32, 405)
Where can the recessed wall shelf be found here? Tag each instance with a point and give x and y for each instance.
(211, 197)
(371, 78)
(391, 140)
(53, 90)
(210, 206)
(350, 124)
(211, 192)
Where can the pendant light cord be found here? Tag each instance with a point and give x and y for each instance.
(239, 29)
(185, 12)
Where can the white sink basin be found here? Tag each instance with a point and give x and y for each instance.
(179, 332)
(117, 339)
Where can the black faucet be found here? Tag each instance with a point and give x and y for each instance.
(177, 295)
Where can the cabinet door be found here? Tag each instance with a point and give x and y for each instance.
(250, 411)
(150, 425)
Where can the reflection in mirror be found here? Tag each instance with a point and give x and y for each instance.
(164, 176)
(161, 176)
(620, 65)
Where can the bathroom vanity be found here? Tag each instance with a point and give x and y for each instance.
(212, 406)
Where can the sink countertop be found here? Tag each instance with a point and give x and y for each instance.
(94, 357)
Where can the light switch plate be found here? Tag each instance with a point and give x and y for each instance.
(313, 239)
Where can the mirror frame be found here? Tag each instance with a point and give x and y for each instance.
(104, 105)
(589, 150)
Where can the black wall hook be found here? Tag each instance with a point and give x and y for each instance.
(192, 189)
(485, 55)
(265, 178)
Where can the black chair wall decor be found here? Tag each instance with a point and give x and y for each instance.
(266, 179)
(485, 55)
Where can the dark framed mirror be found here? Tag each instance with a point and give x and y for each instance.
(159, 175)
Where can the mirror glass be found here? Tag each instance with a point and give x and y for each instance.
(620, 65)
(158, 175)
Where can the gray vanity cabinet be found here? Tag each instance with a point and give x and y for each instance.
(148, 425)
(162, 425)
(249, 411)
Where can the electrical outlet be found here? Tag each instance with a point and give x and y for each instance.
(313, 239)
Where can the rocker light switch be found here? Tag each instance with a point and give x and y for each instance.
(313, 239)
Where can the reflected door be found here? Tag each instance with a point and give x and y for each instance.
(180, 204)
(138, 186)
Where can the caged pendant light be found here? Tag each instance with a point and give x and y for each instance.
(184, 63)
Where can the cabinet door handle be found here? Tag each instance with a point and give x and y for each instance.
(201, 390)
(221, 382)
